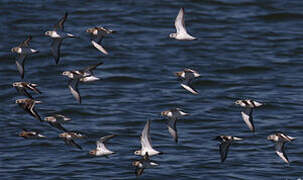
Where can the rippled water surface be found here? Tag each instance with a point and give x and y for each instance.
(245, 49)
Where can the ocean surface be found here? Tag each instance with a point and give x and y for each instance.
(246, 49)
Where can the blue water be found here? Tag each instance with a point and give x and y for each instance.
(245, 49)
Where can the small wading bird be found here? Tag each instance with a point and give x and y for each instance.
(58, 34)
(249, 105)
(172, 115)
(225, 143)
(143, 163)
(146, 146)
(280, 139)
(23, 50)
(181, 33)
(99, 32)
(30, 134)
(28, 105)
(188, 75)
(101, 149)
(22, 86)
(85, 75)
(68, 138)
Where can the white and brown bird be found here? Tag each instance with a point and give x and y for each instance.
(30, 134)
(173, 115)
(52, 120)
(28, 105)
(22, 86)
(225, 142)
(188, 75)
(181, 33)
(59, 118)
(68, 138)
(280, 139)
(143, 163)
(76, 76)
(101, 149)
(84, 75)
(247, 116)
(23, 50)
(146, 146)
(58, 34)
(99, 33)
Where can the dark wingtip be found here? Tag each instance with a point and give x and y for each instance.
(57, 60)
(217, 138)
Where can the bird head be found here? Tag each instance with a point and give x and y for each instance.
(16, 50)
(172, 35)
(48, 33)
(138, 152)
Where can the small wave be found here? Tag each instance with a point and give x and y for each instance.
(285, 16)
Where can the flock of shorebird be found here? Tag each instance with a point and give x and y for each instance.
(86, 75)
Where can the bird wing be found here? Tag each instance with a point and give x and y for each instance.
(280, 150)
(100, 143)
(139, 171)
(99, 47)
(248, 118)
(179, 22)
(56, 44)
(25, 43)
(60, 24)
(32, 88)
(73, 87)
(71, 142)
(99, 37)
(33, 112)
(224, 147)
(189, 88)
(91, 68)
(36, 115)
(145, 137)
(20, 65)
(58, 126)
(23, 91)
(172, 128)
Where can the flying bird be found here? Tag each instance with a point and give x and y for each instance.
(249, 105)
(59, 118)
(172, 115)
(188, 75)
(23, 50)
(52, 120)
(22, 86)
(68, 138)
(85, 75)
(181, 33)
(58, 34)
(146, 146)
(101, 149)
(280, 139)
(225, 143)
(28, 105)
(143, 163)
(99, 32)
(30, 134)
